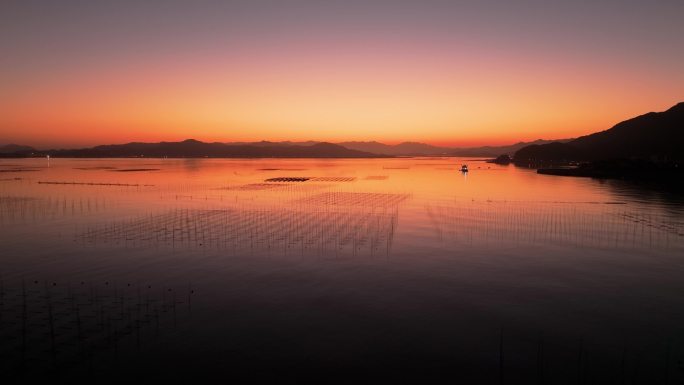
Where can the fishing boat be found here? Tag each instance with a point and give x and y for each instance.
(464, 168)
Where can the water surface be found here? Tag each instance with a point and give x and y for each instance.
(380, 268)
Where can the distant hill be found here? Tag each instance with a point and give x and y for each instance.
(494, 151)
(195, 149)
(266, 143)
(306, 149)
(15, 149)
(422, 149)
(405, 148)
(414, 148)
(657, 136)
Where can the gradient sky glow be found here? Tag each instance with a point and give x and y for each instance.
(76, 73)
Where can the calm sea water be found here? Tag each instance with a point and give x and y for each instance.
(336, 271)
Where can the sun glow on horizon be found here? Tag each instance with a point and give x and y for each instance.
(416, 78)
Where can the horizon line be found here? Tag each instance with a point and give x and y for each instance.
(294, 142)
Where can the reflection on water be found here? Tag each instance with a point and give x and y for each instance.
(275, 231)
(571, 224)
(399, 264)
(19, 209)
(669, 196)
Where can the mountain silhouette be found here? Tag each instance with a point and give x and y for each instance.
(16, 149)
(267, 143)
(422, 149)
(307, 149)
(655, 136)
(191, 148)
(493, 151)
(401, 149)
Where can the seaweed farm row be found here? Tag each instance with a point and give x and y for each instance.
(267, 230)
(467, 222)
(573, 224)
(23, 209)
(355, 199)
(279, 187)
(50, 330)
(97, 184)
(312, 179)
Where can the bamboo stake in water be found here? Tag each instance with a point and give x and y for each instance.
(540, 360)
(2, 297)
(501, 358)
(622, 366)
(53, 347)
(579, 361)
(24, 315)
(667, 363)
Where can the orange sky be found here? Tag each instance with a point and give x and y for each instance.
(76, 83)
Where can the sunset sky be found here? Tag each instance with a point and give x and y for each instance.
(77, 73)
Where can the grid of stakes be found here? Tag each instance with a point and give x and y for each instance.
(280, 187)
(17, 209)
(593, 224)
(49, 329)
(333, 179)
(542, 358)
(341, 198)
(312, 179)
(270, 230)
(288, 179)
